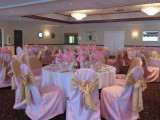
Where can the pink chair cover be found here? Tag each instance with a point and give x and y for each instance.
(116, 101)
(38, 76)
(5, 56)
(120, 78)
(46, 101)
(75, 107)
(3, 83)
(36, 69)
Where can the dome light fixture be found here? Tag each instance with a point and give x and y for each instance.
(79, 16)
(150, 10)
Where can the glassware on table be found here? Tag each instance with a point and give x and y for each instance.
(82, 65)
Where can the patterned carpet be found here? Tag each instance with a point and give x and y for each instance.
(151, 98)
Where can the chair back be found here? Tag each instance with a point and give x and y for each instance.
(129, 50)
(106, 53)
(5, 57)
(39, 55)
(23, 58)
(136, 62)
(154, 54)
(76, 106)
(15, 66)
(34, 63)
(143, 58)
(36, 97)
(127, 93)
(118, 53)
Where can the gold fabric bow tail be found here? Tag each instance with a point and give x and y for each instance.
(86, 88)
(137, 100)
(25, 93)
(11, 74)
(5, 69)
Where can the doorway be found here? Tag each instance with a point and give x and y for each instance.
(1, 37)
(114, 40)
(18, 39)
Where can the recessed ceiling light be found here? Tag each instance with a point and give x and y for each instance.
(70, 3)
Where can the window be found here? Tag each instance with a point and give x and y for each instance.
(150, 36)
(71, 38)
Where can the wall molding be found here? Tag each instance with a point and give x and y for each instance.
(54, 44)
(139, 46)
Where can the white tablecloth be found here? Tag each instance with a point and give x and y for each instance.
(154, 62)
(62, 80)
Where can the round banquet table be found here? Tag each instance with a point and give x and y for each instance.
(63, 79)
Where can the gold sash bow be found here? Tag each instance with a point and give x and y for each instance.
(137, 100)
(24, 93)
(11, 74)
(86, 88)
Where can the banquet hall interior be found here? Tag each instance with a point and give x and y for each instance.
(79, 59)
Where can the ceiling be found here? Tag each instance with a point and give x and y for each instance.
(59, 11)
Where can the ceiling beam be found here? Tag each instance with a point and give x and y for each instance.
(47, 19)
(93, 21)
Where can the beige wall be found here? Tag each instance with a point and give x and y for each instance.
(128, 28)
(30, 31)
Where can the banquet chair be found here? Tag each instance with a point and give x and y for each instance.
(120, 78)
(4, 69)
(54, 51)
(35, 65)
(115, 62)
(15, 66)
(151, 74)
(47, 57)
(36, 68)
(106, 53)
(46, 102)
(123, 103)
(39, 55)
(154, 54)
(83, 101)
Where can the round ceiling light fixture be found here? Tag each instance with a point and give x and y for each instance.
(150, 10)
(79, 16)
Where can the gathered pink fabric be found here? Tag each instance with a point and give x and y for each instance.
(59, 56)
(46, 101)
(116, 101)
(68, 57)
(82, 57)
(75, 107)
(97, 56)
